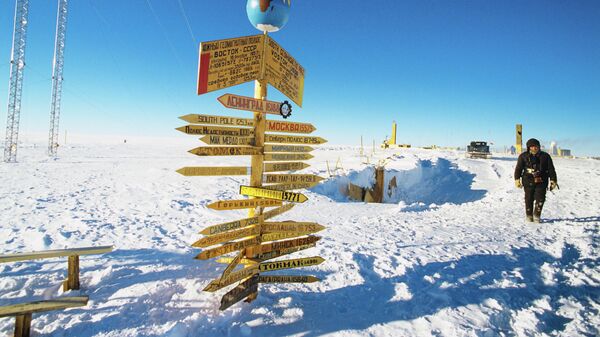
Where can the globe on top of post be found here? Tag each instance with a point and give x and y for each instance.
(268, 15)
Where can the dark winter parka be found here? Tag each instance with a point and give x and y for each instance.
(540, 161)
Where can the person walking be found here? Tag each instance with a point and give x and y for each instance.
(535, 173)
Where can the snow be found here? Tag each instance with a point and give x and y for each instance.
(448, 254)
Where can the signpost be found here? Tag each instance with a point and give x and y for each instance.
(226, 63)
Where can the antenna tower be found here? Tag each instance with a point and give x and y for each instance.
(57, 72)
(15, 86)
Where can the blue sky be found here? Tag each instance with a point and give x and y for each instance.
(447, 71)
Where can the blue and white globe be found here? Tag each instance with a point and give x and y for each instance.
(268, 15)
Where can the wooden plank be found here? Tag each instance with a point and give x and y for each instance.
(288, 264)
(217, 120)
(290, 127)
(229, 260)
(225, 151)
(227, 236)
(228, 140)
(245, 103)
(287, 279)
(287, 166)
(253, 252)
(290, 186)
(277, 211)
(227, 226)
(214, 171)
(243, 203)
(227, 248)
(292, 226)
(281, 236)
(283, 72)
(291, 178)
(279, 252)
(240, 292)
(46, 305)
(235, 261)
(215, 130)
(271, 194)
(229, 62)
(286, 139)
(235, 276)
(287, 148)
(287, 156)
(55, 253)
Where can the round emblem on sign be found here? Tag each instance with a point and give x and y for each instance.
(285, 109)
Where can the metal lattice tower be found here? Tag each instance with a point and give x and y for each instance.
(15, 86)
(57, 71)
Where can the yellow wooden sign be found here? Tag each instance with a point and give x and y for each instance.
(284, 139)
(270, 194)
(243, 203)
(292, 226)
(240, 292)
(290, 127)
(214, 171)
(289, 166)
(287, 279)
(227, 140)
(281, 236)
(277, 211)
(227, 236)
(290, 186)
(228, 226)
(253, 252)
(280, 252)
(225, 151)
(235, 276)
(215, 130)
(227, 248)
(283, 72)
(229, 260)
(287, 156)
(286, 148)
(236, 260)
(291, 178)
(288, 264)
(225, 63)
(245, 103)
(218, 120)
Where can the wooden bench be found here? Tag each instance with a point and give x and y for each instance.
(23, 311)
(72, 281)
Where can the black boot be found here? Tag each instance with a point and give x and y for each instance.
(537, 211)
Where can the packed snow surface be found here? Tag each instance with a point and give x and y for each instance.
(447, 254)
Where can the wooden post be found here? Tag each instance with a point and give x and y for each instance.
(519, 143)
(379, 175)
(72, 281)
(23, 325)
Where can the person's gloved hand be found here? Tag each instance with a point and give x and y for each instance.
(518, 183)
(553, 185)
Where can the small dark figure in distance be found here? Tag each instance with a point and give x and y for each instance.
(535, 173)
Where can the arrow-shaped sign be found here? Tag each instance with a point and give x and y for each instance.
(218, 120)
(243, 203)
(227, 140)
(291, 178)
(288, 264)
(269, 138)
(287, 156)
(226, 151)
(214, 171)
(287, 148)
(215, 130)
(290, 186)
(285, 166)
(271, 194)
(291, 127)
(250, 104)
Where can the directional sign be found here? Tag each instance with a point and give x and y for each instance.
(231, 278)
(225, 151)
(291, 178)
(288, 264)
(291, 226)
(236, 260)
(227, 236)
(287, 279)
(252, 252)
(277, 211)
(283, 72)
(289, 166)
(214, 171)
(230, 260)
(287, 148)
(227, 140)
(294, 139)
(225, 63)
(281, 236)
(218, 120)
(227, 248)
(291, 127)
(287, 156)
(243, 203)
(270, 194)
(290, 186)
(228, 226)
(215, 130)
(240, 292)
(250, 104)
(279, 252)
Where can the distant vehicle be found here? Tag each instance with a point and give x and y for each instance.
(479, 150)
